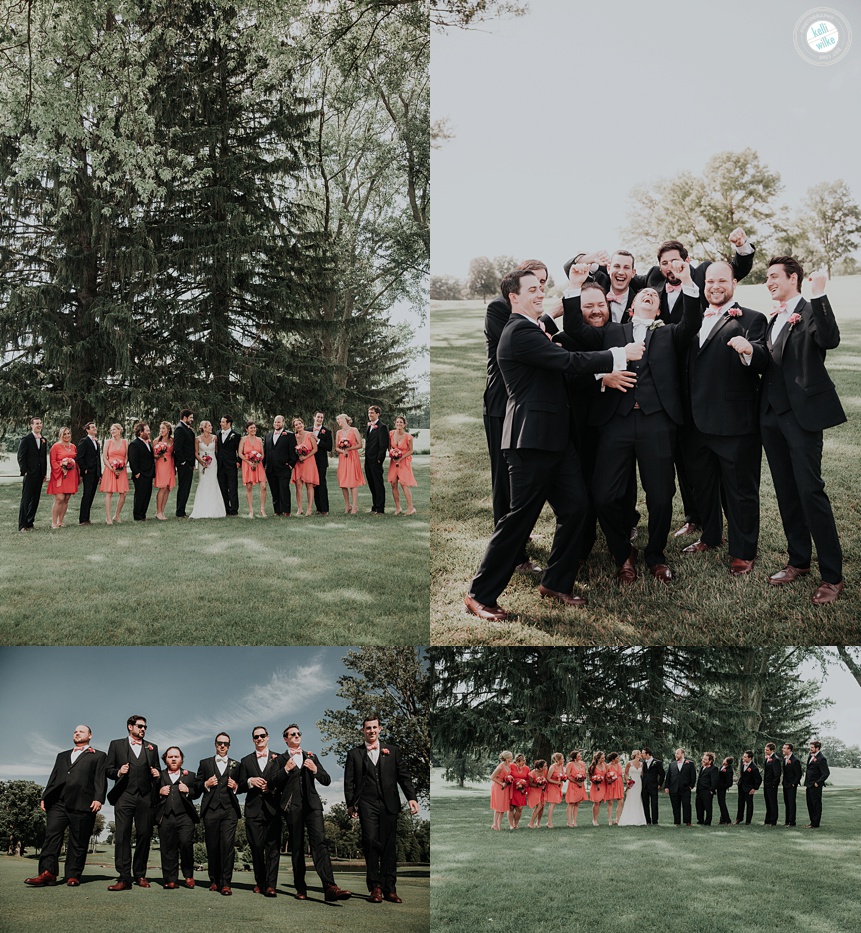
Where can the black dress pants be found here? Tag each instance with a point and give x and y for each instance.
(184, 474)
(131, 808)
(143, 494)
(374, 476)
(745, 807)
(814, 804)
(298, 821)
(264, 839)
(90, 483)
(80, 825)
(228, 484)
(219, 828)
(724, 812)
(279, 487)
(176, 839)
(770, 794)
(379, 845)
(31, 492)
(705, 805)
(499, 482)
(789, 804)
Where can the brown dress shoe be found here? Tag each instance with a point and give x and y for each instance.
(488, 613)
(376, 895)
(661, 572)
(301, 895)
(270, 892)
(698, 547)
(334, 893)
(393, 897)
(738, 567)
(827, 593)
(171, 886)
(214, 887)
(569, 599)
(43, 879)
(73, 882)
(789, 574)
(189, 882)
(120, 886)
(688, 528)
(528, 566)
(142, 883)
(256, 890)
(627, 573)
(226, 891)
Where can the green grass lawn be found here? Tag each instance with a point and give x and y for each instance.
(661, 877)
(92, 907)
(704, 605)
(357, 580)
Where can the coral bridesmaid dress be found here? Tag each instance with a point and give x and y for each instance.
(115, 450)
(350, 472)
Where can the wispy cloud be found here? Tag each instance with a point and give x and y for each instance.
(39, 760)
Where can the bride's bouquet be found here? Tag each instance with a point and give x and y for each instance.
(629, 784)
(207, 461)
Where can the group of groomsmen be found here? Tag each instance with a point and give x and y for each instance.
(680, 779)
(279, 788)
(665, 371)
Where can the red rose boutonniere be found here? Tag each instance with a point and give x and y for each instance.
(149, 748)
(184, 771)
(793, 319)
(734, 312)
(385, 751)
(272, 757)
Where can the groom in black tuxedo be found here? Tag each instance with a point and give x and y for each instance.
(133, 765)
(72, 797)
(372, 775)
(653, 780)
(707, 785)
(279, 458)
(227, 457)
(183, 458)
(791, 780)
(321, 458)
(376, 448)
(142, 465)
(303, 809)
(681, 780)
(33, 464)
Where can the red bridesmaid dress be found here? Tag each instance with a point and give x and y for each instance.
(59, 482)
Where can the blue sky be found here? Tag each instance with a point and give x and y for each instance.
(186, 694)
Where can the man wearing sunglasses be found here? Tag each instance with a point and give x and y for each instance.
(258, 778)
(303, 810)
(133, 766)
(220, 811)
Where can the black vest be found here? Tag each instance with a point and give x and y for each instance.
(645, 393)
(371, 788)
(220, 795)
(774, 391)
(140, 780)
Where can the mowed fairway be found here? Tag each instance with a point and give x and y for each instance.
(663, 877)
(92, 907)
(704, 605)
(357, 580)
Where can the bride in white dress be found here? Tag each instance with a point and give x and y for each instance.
(632, 811)
(208, 502)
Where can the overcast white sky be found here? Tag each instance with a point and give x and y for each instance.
(559, 113)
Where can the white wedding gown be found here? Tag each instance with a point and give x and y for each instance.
(632, 812)
(207, 500)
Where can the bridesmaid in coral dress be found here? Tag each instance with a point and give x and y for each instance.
(519, 790)
(555, 779)
(614, 788)
(165, 470)
(500, 789)
(348, 443)
(401, 464)
(63, 483)
(114, 476)
(253, 473)
(537, 792)
(597, 773)
(305, 473)
(576, 793)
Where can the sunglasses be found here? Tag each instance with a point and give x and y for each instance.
(260, 735)
(140, 725)
(223, 743)
(292, 735)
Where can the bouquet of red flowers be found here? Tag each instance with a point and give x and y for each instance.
(521, 786)
(207, 461)
(629, 784)
(611, 776)
(579, 779)
(540, 782)
(344, 444)
(303, 451)
(597, 779)
(508, 780)
(395, 454)
(117, 464)
(254, 458)
(160, 449)
(66, 464)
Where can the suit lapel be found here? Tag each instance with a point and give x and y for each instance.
(725, 318)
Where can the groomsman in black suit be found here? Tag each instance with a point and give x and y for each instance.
(321, 458)
(226, 457)
(259, 774)
(720, 440)
(218, 779)
(707, 785)
(372, 775)
(791, 780)
(142, 465)
(183, 458)
(33, 464)
(133, 766)
(72, 797)
(749, 781)
(798, 402)
(814, 780)
(376, 448)
(279, 458)
(772, 770)
(724, 784)
(303, 809)
(653, 780)
(681, 779)
(89, 459)
(176, 817)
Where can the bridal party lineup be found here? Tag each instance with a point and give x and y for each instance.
(280, 463)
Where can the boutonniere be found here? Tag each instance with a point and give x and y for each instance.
(384, 751)
(92, 751)
(184, 771)
(656, 324)
(793, 319)
(272, 757)
(734, 312)
(231, 763)
(149, 748)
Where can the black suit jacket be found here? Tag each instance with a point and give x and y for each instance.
(719, 390)
(377, 442)
(392, 772)
(226, 455)
(707, 780)
(183, 445)
(772, 771)
(207, 769)
(78, 784)
(119, 753)
(725, 777)
(799, 354)
(325, 441)
(88, 457)
(677, 781)
(533, 367)
(653, 777)
(279, 457)
(817, 771)
(298, 786)
(748, 780)
(141, 458)
(257, 802)
(190, 780)
(664, 344)
(33, 460)
(791, 772)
